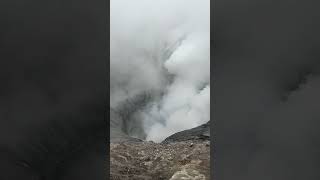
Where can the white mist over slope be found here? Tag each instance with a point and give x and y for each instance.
(162, 47)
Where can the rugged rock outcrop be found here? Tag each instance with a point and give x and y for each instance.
(199, 133)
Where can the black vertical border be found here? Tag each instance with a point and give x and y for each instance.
(213, 122)
(107, 86)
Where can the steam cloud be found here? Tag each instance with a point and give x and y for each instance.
(162, 48)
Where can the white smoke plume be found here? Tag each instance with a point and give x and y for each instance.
(162, 47)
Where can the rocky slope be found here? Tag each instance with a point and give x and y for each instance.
(184, 155)
(172, 161)
(195, 134)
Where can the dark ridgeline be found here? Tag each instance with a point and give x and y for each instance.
(199, 133)
(267, 89)
(53, 89)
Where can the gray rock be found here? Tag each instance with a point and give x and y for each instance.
(154, 161)
(199, 133)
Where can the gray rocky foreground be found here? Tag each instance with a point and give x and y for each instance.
(187, 160)
(184, 155)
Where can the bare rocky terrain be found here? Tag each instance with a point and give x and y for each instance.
(183, 155)
(188, 160)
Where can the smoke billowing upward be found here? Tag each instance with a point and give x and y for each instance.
(161, 48)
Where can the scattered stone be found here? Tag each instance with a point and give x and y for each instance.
(143, 162)
(184, 155)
